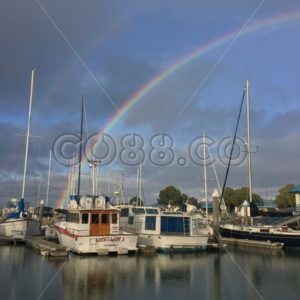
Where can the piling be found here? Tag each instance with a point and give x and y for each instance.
(216, 213)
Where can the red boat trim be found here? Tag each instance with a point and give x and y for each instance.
(65, 232)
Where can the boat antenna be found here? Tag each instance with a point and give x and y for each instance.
(232, 146)
(80, 149)
(28, 134)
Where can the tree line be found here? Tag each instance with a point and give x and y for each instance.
(172, 195)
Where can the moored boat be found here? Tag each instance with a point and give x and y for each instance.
(274, 234)
(93, 227)
(166, 231)
(91, 224)
(17, 225)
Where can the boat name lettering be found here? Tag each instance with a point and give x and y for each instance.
(110, 239)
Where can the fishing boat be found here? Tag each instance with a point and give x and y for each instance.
(166, 231)
(91, 224)
(17, 225)
(250, 230)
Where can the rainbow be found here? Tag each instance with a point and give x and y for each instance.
(196, 54)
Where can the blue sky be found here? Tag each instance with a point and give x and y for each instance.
(77, 46)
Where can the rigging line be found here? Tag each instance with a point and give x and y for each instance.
(219, 60)
(85, 119)
(244, 274)
(43, 8)
(233, 143)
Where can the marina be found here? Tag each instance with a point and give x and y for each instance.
(149, 150)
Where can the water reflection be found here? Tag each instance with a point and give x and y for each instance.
(126, 277)
(208, 276)
(224, 275)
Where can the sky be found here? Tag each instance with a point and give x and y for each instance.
(155, 75)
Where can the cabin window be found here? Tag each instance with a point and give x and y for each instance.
(73, 217)
(95, 219)
(114, 218)
(150, 223)
(85, 218)
(105, 219)
(130, 220)
(152, 211)
(175, 225)
(124, 212)
(138, 210)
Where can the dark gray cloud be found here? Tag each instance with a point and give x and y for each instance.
(122, 46)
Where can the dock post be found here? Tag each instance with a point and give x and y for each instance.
(216, 208)
(41, 211)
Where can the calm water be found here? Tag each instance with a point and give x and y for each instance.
(234, 274)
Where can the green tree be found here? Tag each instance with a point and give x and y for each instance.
(170, 195)
(242, 194)
(136, 201)
(229, 195)
(284, 198)
(238, 196)
(193, 201)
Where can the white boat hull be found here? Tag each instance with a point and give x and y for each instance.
(101, 245)
(18, 229)
(167, 243)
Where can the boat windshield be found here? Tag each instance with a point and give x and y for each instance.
(152, 211)
(138, 210)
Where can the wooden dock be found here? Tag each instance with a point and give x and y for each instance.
(5, 239)
(46, 248)
(253, 243)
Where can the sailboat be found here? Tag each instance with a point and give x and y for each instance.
(18, 225)
(274, 234)
(91, 224)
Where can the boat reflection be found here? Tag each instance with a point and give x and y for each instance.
(224, 275)
(90, 277)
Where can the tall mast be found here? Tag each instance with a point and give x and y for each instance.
(80, 149)
(49, 174)
(248, 141)
(139, 186)
(205, 177)
(28, 133)
(140, 183)
(122, 189)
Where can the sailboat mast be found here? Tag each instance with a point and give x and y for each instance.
(248, 141)
(28, 133)
(80, 149)
(49, 174)
(137, 186)
(205, 176)
(140, 184)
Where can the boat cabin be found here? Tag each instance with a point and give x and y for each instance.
(148, 220)
(92, 218)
